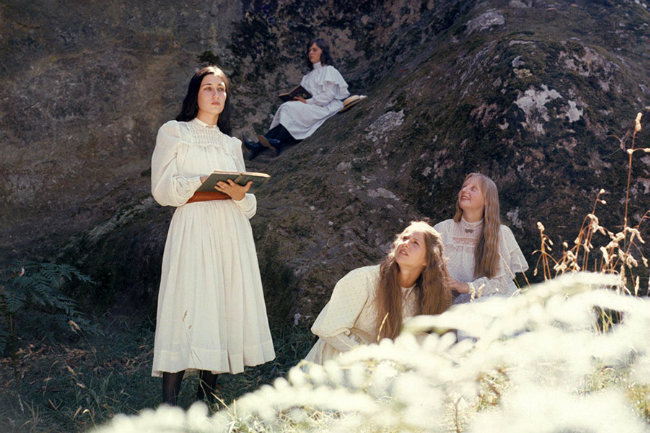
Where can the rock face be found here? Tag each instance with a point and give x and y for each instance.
(529, 92)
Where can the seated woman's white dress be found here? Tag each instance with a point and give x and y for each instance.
(211, 311)
(350, 317)
(460, 239)
(327, 88)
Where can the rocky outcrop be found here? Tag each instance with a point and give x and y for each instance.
(529, 92)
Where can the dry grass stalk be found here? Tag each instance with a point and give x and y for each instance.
(622, 253)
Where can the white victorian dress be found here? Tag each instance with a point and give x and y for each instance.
(328, 89)
(211, 312)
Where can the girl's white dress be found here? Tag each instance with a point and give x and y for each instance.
(327, 88)
(350, 317)
(211, 311)
(460, 239)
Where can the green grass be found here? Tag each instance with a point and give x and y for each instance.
(534, 362)
(71, 386)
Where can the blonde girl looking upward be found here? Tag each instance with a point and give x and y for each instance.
(373, 302)
(482, 254)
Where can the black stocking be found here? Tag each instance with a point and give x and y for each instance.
(207, 386)
(172, 387)
(279, 132)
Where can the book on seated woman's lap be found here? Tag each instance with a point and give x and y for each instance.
(295, 92)
(241, 178)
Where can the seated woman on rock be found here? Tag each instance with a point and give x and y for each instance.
(298, 119)
(482, 254)
(372, 302)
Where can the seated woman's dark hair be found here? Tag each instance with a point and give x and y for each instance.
(190, 107)
(325, 58)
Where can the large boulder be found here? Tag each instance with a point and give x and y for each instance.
(531, 93)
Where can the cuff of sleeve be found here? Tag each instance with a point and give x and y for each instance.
(186, 186)
(244, 202)
(247, 205)
(195, 182)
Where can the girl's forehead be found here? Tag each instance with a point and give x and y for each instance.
(212, 79)
(413, 233)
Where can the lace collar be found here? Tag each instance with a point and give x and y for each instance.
(199, 122)
(469, 227)
(406, 291)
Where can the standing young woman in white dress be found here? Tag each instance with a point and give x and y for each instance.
(298, 119)
(482, 254)
(372, 302)
(211, 312)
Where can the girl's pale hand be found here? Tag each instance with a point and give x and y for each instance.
(457, 286)
(301, 99)
(234, 190)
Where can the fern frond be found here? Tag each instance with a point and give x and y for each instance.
(37, 286)
(14, 300)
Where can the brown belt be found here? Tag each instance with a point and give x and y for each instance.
(208, 195)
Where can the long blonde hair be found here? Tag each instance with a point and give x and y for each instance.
(486, 253)
(434, 297)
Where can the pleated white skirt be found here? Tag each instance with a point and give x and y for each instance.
(211, 311)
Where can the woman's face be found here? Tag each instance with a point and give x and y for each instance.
(314, 53)
(410, 249)
(470, 197)
(212, 96)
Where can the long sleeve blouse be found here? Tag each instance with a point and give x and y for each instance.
(184, 152)
(460, 241)
(350, 317)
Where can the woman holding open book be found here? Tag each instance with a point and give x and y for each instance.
(211, 313)
(299, 118)
(482, 254)
(372, 302)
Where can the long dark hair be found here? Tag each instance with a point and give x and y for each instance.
(325, 57)
(434, 297)
(190, 107)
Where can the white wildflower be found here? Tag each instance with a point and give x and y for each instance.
(527, 364)
(542, 410)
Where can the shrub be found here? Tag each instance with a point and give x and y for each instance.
(536, 362)
(36, 288)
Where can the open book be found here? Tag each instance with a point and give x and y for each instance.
(242, 178)
(298, 91)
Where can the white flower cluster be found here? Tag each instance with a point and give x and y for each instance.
(538, 362)
(168, 419)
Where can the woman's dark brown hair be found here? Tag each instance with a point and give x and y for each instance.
(325, 57)
(190, 108)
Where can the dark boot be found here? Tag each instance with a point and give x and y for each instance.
(271, 143)
(251, 148)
